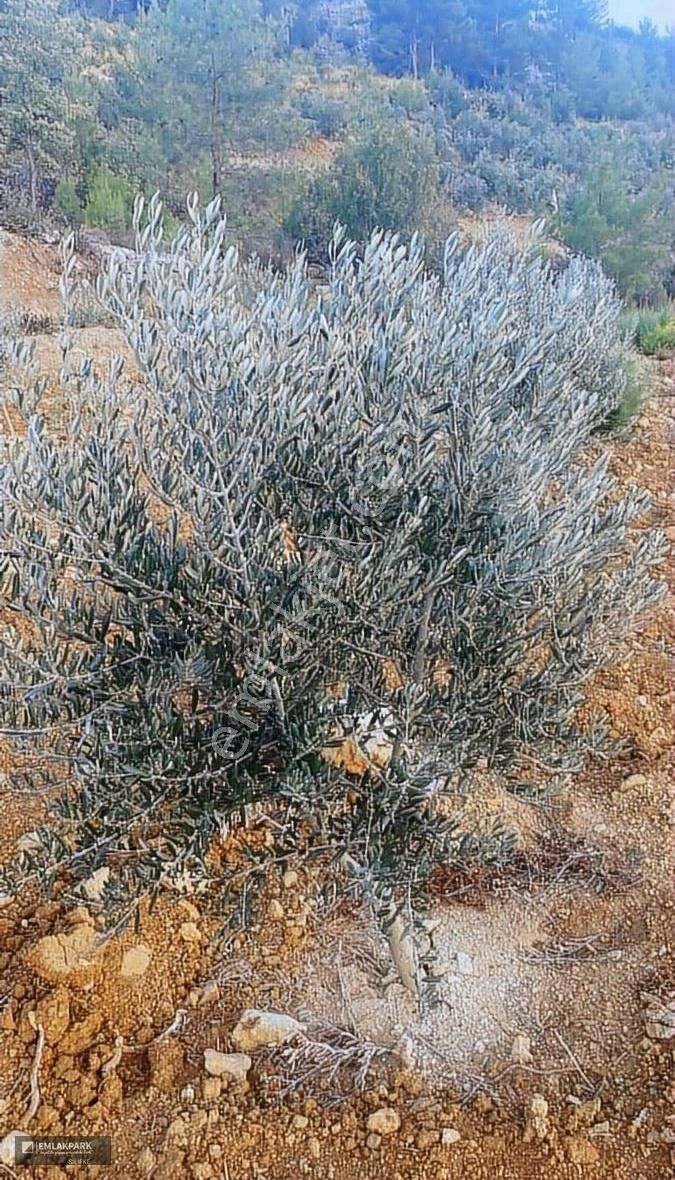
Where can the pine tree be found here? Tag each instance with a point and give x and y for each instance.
(41, 49)
(202, 76)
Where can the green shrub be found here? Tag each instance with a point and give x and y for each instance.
(632, 399)
(410, 95)
(447, 92)
(655, 331)
(329, 115)
(109, 200)
(382, 472)
(629, 233)
(67, 203)
(384, 177)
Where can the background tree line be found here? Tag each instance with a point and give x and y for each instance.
(420, 110)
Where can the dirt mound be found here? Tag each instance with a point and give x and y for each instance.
(29, 283)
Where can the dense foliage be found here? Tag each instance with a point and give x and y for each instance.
(354, 512)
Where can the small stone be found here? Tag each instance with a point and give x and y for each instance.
(178, 1132)
(427, 1139)
(633, 780)
(94, 886)
(580, 1151)
(69, 956)
(210, 993)
(172, 1164)
(187, 1094)
(198, 1120)
(539, 1116)
(521, 1049)
(584, 1114)
(82, 1035)
(484, 1103)
(463, 963)
(53, 1013)
(188, 908)
(257, 1028)
(82, 1092)
(659, 736)
(7, 1021)
(450, 1135)
(373, 1141)
(79, 916)
(300, 1122)
(659, 1017)
(600, 1128)
(233, 1065)
(146, 1161)
(275, 910)
(29, 842)
(212, 1088)
(385, 1121)
(202, 1171)
(190, 932)
(290, 879)
(135, 961)
(314, 1148)
(8, 1147)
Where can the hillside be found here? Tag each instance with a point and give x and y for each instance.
(385, 114)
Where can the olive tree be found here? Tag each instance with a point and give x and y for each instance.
(331, 548)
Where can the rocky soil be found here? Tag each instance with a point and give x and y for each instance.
(552, 1056)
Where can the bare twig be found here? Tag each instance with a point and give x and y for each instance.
(577, 949)
(111, 1064)
(175, 1027)
(573, 1059)
(35, 1069)
(333, 1056)
(344, 994)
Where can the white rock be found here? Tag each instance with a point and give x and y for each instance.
(94, 886)
(8, 1147)
(521, 1049)
(257, 1028)
(146, 1161)
(232, 1065)
(463, 963)
(633, 780)
(136, 960)
(450, 1135)
(190, 932)
(29, 842)
(385, 1121)
(539, 1116)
